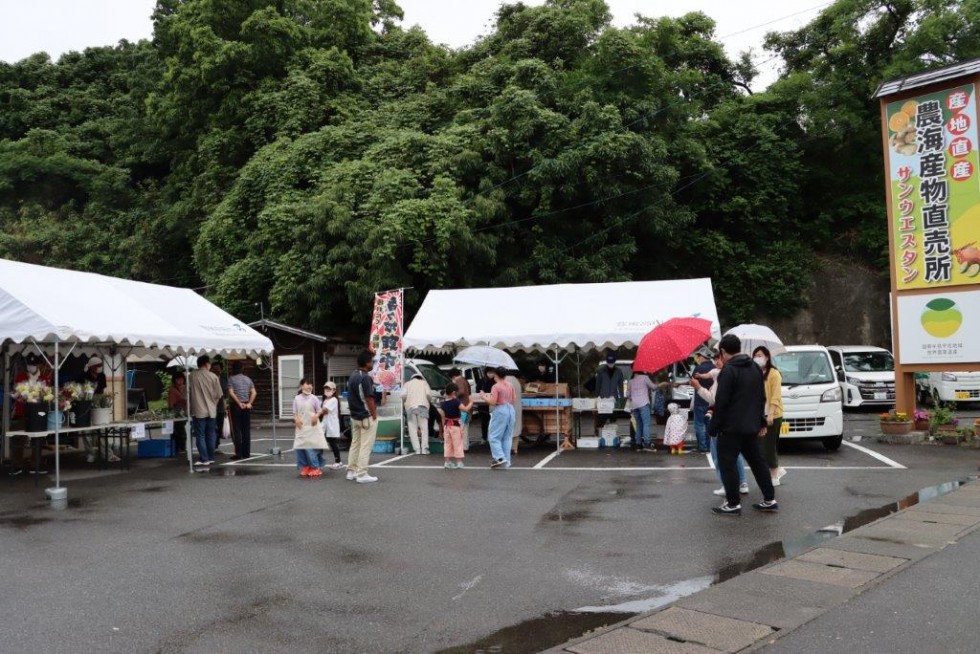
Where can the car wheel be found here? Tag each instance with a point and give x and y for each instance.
(832, 443)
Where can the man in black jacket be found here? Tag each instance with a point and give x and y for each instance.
(739, 420)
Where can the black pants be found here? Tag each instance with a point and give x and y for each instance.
(729, 447)
(335, 448)
(179, 437)
(241, 422)
(484, 423)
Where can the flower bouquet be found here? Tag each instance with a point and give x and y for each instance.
(37, 397)
(81, 399)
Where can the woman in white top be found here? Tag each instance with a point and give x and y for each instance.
(330, 413)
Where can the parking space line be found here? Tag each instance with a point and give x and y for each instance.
(245, 461)
(396, 458)
(881, 457)
(545, 461)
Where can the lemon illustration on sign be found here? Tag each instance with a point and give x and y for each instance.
(941, 318)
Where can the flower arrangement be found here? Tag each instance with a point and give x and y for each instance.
(79, 392)
(894, 416)
(920, 415)
(34, 391)
(102, 401)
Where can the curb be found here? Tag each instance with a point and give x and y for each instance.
(757, 608)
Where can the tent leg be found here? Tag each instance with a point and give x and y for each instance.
(57, 495)
(189, 448)
(275, 451)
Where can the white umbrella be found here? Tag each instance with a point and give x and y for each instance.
(752, 336)
(487, 356)
(188, 363)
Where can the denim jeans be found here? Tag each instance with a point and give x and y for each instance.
(206, 436)
(701, 427)
(501, 434)
(642, 418)
(309, 458)
(740, 464)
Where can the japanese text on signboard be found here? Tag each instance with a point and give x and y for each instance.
(386, 339)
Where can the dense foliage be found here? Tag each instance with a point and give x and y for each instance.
(305, 153)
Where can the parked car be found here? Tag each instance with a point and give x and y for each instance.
(471, 373)
(812, 406)
(947, 386)
(866, 374)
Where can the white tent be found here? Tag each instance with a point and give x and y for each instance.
(557, 317)
(60, 311)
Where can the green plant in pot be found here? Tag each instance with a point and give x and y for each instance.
(943, 420)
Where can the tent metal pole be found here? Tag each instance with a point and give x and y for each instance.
(6, 402)
(557, 408)
(275, 451)
(188, 447)
(57, 495)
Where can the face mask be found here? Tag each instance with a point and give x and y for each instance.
(32, 369)
(540, 368)
(306, 392)
(610, 365)
(760, 361)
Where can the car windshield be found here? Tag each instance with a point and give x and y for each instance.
(803, 368)
(433, 376)
(868, 362)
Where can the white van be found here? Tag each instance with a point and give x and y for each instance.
(866, 374)
(812, 406)
(947, 386)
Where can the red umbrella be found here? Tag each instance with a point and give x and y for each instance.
(670, 342)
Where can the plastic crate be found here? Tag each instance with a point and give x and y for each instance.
(589, 443)
(154, 448)
(384, 446)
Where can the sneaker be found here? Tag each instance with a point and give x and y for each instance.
(725, 509)
(90, 458)
(351, 476)
(460, 465)
(315, 472)
(743, 489)
(775, 481)
(780, 472)
(497, 463)
(115, 459)
(449, 465)
(424, 452)
(335, 466)
(305, 472)
(719, 492)
(767, 506)
(210, 462)
(202, 463)
(366, 479)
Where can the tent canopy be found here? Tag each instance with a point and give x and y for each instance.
(560, 316)
(43, 304)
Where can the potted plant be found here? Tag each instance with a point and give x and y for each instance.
(101, 409)
(921, 420)
(36, 396)
(895, 422)
(943, 421)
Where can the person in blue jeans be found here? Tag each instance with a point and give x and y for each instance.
(704, 365)
(708, 395)
(640, 387)
(502, 418)
(205, 393)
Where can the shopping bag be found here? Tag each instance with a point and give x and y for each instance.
(226, 428)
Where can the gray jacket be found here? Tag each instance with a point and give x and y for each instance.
(609, 383)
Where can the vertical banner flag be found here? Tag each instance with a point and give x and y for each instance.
(386, 339)
(935, 189)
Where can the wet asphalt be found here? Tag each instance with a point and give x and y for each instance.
(254, 559)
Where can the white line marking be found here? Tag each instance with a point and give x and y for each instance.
(467, 585)
(881, 457)
(545, 461)
(386, 462)
(244, 461)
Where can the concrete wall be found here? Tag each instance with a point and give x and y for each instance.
(847, 305)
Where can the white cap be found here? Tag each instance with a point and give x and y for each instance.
(94, 361)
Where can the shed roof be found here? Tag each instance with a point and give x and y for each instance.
(961, 69)
(265, 322)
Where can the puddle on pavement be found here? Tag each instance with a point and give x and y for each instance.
(235, 471)
(537, 634)
(22, 521)
(553, 629)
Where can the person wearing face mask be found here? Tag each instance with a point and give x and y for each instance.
(608, 384)
(33, 371)
(774, 411)
(309, 442)
(330, 412)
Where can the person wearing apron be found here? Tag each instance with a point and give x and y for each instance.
(309, 442)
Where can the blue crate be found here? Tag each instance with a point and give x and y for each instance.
(546, 401)
(384, 446)
(154, 448)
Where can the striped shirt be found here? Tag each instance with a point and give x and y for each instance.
(241, 386)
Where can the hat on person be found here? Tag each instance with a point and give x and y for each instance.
(94, 361)
(704, 352)
(610, 358)
(332, 386)
(32, 359)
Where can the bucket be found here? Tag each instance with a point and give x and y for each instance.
(36, 416)
(82, 412)
(55, 419)
(101, 416)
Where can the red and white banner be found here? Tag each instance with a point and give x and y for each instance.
(386, 339)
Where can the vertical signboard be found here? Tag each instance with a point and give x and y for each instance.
(934, 173)
(386, 339)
